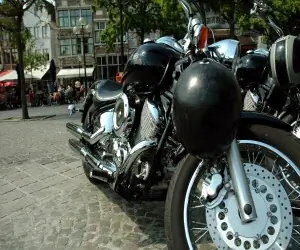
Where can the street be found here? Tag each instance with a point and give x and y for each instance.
(46, 202)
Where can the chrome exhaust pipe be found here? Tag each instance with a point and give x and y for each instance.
(101, 170)
(80, 133)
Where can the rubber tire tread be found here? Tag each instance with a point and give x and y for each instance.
(174, 228)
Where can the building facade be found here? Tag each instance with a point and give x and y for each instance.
(8, 52)
(43, 34)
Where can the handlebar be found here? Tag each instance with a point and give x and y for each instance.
(263, 10)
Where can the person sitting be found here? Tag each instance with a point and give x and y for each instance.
(69, 93)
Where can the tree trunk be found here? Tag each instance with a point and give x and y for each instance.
(232, 30)
(20, 48)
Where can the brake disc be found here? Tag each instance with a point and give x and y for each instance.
(273, 227)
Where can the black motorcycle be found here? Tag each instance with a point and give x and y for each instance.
(264, 90)
(237, 175)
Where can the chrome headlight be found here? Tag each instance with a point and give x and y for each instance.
(123, 116)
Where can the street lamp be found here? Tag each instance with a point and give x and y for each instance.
(79, 58)
(81, 30)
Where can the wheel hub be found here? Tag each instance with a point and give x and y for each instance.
(273, 227)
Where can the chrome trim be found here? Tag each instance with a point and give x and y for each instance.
(106, 167)
(240, 184)
(170, 41)
(135, 152)
(105, 129)
(128, 117)
(153, 110)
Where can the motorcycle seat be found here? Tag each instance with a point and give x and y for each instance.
(108, 90)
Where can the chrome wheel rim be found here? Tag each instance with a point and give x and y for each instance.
(196, 230)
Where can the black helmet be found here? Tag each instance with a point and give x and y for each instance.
(206, 108)
(285, 61)
(251, 70)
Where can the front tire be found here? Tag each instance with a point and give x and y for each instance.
(176, 238)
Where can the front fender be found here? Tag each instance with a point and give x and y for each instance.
(88, 100)
(248, 118)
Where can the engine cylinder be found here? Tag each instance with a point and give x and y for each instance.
(150, 123)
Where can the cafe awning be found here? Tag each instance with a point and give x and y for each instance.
(77, 72)
(37, 73)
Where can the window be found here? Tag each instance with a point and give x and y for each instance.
(46, 53)
(76, 46)
(87, 15)
(6, 56)
(36, 32)
(65, 47)
(88, 45)
(45, 31)
(74, 17)
(14, 55)
(63, 18)
(99, 27)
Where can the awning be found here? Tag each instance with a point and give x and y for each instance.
(13, 76)
(38, 73)
(71, 73)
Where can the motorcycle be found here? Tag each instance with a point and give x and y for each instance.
(177, 108)
(262, 93)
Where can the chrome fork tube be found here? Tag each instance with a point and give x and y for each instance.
(240, 184)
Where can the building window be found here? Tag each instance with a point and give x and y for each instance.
(36, 32)
(87, 15)
(46, 53)
(45, 31)
(88, 45)
(74, 17)
(76, 46)
(14, 55)
(65, 47)
(63, 18)
(6, 56)
(99, 27)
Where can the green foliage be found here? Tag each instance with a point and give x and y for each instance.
(11, 20)
(33, 59)
(142, 16)
(173, 20)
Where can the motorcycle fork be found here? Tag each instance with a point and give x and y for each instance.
(240, 184)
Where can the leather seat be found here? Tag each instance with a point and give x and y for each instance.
(108, 90)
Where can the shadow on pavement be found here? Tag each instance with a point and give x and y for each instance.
(148, 216)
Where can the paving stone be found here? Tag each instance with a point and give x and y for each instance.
(91, 217)
(73, 172)
(55, 179)
(8, 171)
(34, 187)
(24, 182)
(11, 196)
(44, 193)
(18, 204)
(6, 188)
(16, 176)
(45, 161)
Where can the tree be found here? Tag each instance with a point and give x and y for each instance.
(142, 16)
(173, 20)
(33, 59)
(286, 15)
(12, 13)
(230, 10)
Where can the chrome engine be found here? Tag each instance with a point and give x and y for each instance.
(150, 123)
(116, 145)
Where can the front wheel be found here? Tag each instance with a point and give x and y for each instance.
(270, 158)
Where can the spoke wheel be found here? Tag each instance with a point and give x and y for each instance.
(273, 179)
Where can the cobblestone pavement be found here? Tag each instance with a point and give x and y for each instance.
(46, 202)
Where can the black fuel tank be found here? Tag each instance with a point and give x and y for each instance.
(150, 67)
